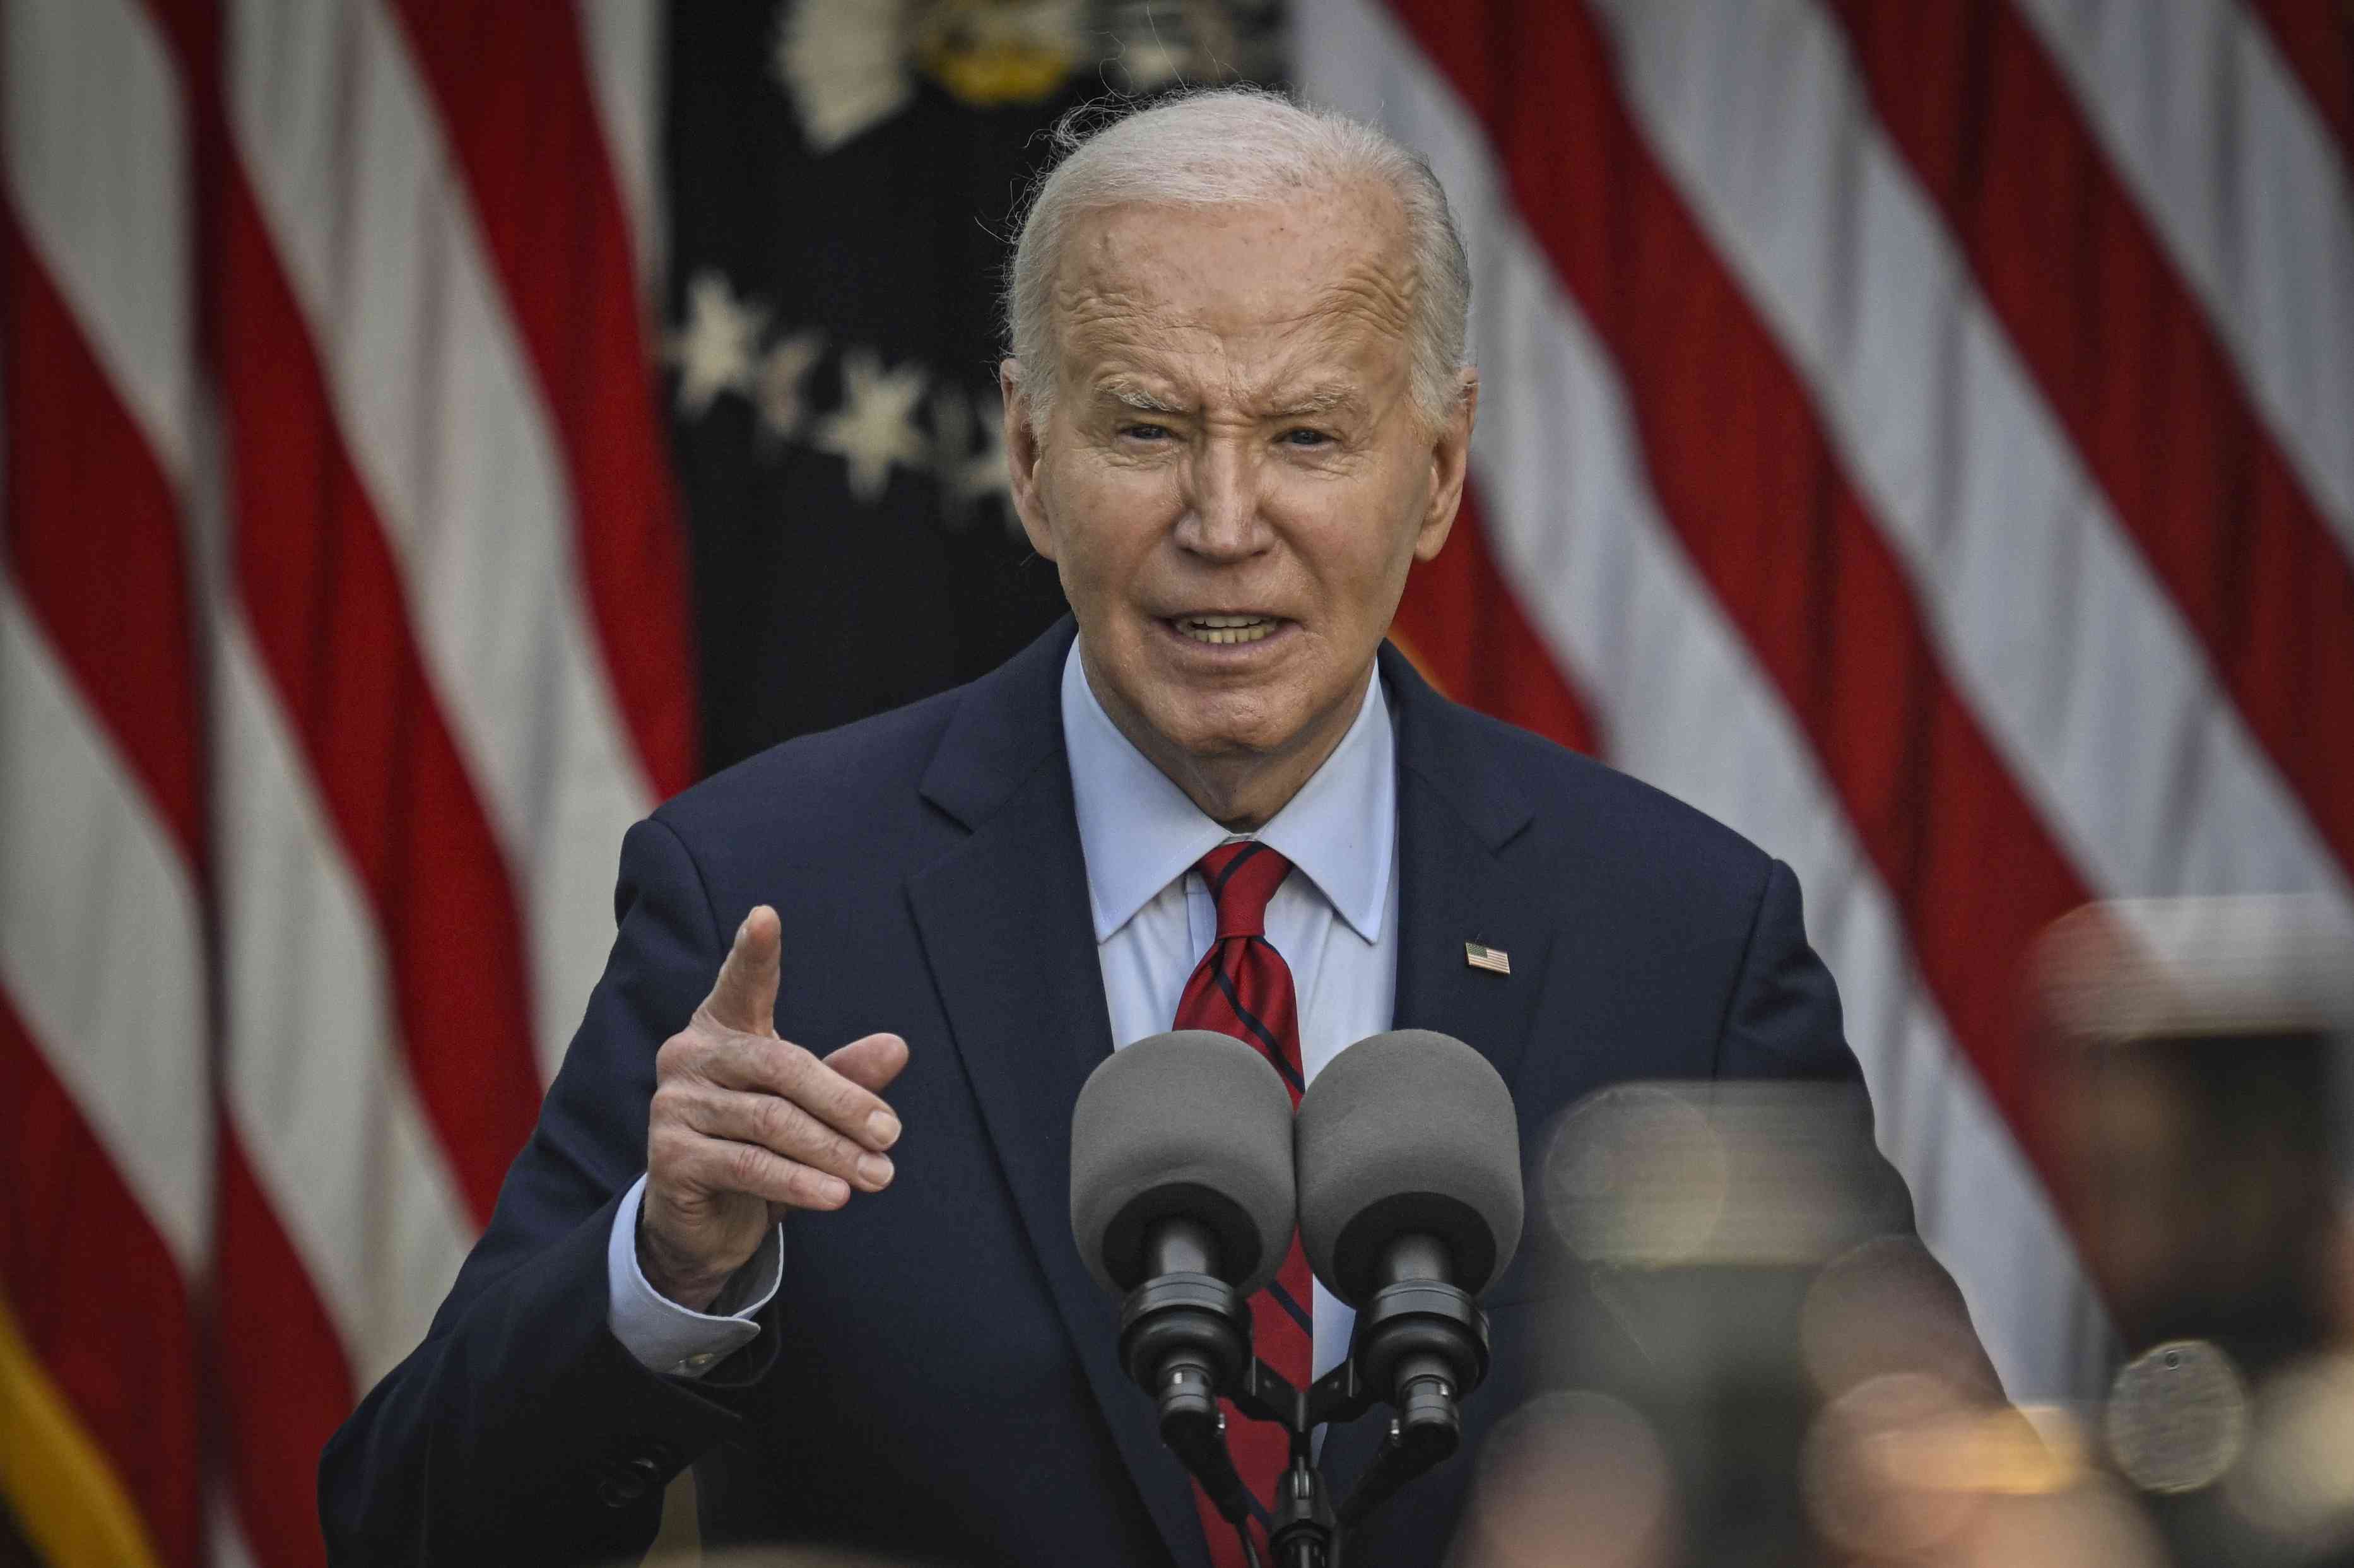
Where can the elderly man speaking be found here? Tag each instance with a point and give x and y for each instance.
(796, 1210)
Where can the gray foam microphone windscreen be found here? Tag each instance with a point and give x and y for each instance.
(1409, 1132)
(1189, 1123)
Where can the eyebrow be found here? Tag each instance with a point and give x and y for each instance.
(1311, 401)
(1316, 400)
(1134, 396)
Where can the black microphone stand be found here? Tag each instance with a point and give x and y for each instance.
(1419, 1345)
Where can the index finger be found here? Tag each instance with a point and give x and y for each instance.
(743, 995)
(786, 1070)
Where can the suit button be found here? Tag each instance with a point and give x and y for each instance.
(626, 1480)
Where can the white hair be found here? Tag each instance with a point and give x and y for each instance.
(1236, 146)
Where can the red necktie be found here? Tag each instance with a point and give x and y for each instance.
(1243, 988)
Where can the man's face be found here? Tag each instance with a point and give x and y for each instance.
(1235, 479)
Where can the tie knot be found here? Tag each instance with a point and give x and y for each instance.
(1242, 877)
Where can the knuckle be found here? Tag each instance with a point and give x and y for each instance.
(840, 1100)
(787, 1065)
(808, 1187)
(667, 1152)
(778, 1122)
(677, 1057)
(746, 1168)
(669, 1105)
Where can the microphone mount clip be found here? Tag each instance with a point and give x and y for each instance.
(1419, 1345)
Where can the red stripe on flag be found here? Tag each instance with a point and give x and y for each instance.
(285, 1384)
(1461, 623)
(2316, 38)
(98, 1294)
(93, 544)
(512, 84)
(323, 597)
(2133, 369)
(1750, 483)
(284, 1381)
(93, 541)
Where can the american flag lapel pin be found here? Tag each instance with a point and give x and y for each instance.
(1480, 956)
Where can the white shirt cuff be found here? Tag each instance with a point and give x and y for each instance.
(664, 1336)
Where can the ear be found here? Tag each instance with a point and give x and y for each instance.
(1450, 461)
(1021, 451)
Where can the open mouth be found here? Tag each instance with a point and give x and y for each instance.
(1221, 630)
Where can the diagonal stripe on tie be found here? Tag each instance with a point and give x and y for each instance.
(1290, 1304)
(1218, 883)
(1258, 1033)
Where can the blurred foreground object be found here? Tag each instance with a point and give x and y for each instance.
(2196, 1071)
(1731, 1269)
(2196, 1099)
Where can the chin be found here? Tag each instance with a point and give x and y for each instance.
(1216, 732)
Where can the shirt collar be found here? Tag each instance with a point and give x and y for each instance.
(1139, 833)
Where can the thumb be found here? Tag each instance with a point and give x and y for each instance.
(870, 1062)
(744, 997)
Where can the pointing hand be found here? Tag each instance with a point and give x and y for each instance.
(746, 1126)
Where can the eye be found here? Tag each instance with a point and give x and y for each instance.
(1142, 432)
(1304, 437)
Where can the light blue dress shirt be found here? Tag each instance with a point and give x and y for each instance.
(1334, 921)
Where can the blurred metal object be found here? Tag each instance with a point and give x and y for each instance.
(2195, 1095)
(2136, 968)
(2177, 1416)
(1724, 1259)
(2196, 1098)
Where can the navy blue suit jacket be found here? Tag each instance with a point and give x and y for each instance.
(937, 1375)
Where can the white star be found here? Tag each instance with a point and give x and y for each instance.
(982, 474)
(966, 476)
(714, 350)
(844, 62)
(783, 369)
(873, 428)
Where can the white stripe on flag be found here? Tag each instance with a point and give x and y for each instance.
(447, 430)
(99, 940)
(316, 1082)
(2102, 704)
(109, 212)
(2244, 188)
(624, 40)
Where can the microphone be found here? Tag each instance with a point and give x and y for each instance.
(1410, 1205)
(1183, 1198)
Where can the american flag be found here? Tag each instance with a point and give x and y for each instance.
(342, 635)
(1917, 433)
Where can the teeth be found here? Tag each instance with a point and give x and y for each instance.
(1222, 630)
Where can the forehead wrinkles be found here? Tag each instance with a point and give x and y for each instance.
(1135, 297)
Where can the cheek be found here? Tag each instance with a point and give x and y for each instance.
(1105, 523)
(1360, 545)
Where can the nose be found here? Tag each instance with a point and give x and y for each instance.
(1223, 520)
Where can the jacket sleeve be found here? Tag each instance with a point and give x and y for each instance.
(1783, 1020)
(522, 1430)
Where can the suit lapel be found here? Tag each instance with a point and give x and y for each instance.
(1457, 819)
(1005, 929)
